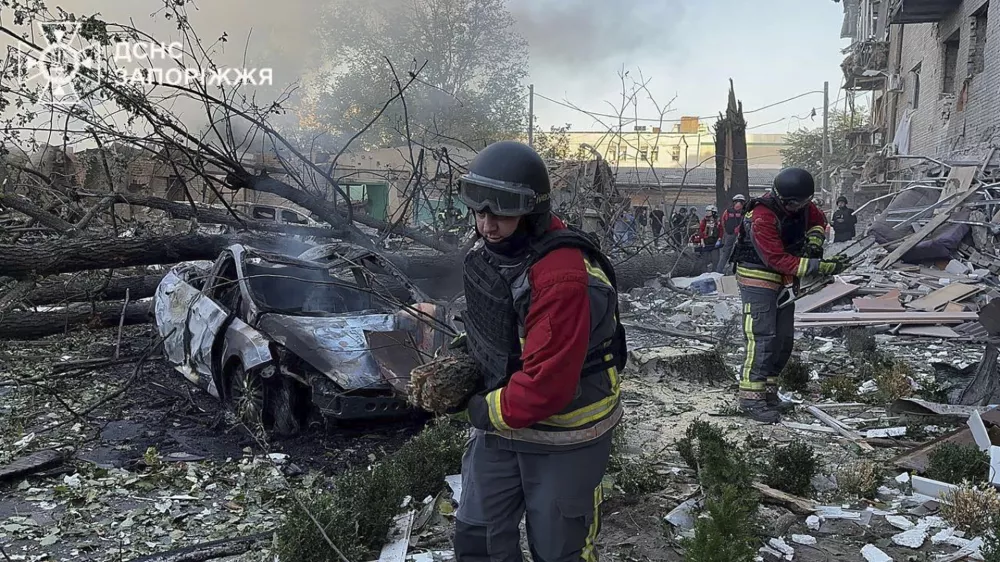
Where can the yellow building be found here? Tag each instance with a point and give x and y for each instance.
(687, 145)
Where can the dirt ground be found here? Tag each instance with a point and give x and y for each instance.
(163, 466)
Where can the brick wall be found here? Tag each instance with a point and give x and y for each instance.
(943, 126)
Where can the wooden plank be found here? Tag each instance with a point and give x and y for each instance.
(868, 304)
(890, 317)
(824, 296)
(836, 425)
(941, 297)
(929, 331)
(954, 307)
(398, 541)
(929, 227)
(799, 505)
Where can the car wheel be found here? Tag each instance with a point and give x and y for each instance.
(246, 396)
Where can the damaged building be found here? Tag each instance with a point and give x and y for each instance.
(932, 75)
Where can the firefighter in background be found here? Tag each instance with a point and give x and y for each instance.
(844, 221)
(730, 221)
(542, 326)
(708, 234)
(780, 241)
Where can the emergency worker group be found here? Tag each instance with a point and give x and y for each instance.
(542, 325)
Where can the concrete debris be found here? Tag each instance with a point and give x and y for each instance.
(914, 538)
(900, 522)
(807, 540)
(814, 522)
(873, 554)
(781, 546)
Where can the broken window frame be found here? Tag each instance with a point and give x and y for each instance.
(978, 37)
(950, 49)
(915, 91)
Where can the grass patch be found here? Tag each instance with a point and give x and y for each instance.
(893, 378)
(791, 468)
(955, 464)
(358, 511)
(795, 375)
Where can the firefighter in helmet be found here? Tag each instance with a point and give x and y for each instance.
(779, 242)
(542, 326)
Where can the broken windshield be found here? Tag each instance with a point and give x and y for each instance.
(299, 290)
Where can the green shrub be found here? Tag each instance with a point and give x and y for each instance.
(839, 388)
(955, 463)
(792, 468)
(358, 510)
(795, 375)
(729, 533)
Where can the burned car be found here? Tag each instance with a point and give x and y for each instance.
(285, 341)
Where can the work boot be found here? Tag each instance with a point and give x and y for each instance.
(760, 410)
(774, 401)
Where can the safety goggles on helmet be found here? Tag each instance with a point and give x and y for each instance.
(505, 199)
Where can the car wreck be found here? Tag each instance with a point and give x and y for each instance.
(288, 341)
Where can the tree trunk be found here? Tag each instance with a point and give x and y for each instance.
(61, 290)
(732, 175)
(31, 325)
(83, 254)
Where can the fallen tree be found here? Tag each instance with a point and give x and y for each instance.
(62, 290)
(25, 325)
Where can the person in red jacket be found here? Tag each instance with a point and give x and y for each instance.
(780, 241)
(542, 325)
(730, 221)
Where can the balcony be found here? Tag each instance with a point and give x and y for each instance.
(922, 11)
(865, 68)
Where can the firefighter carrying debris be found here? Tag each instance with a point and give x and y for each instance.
(780, 241)
(542, 326)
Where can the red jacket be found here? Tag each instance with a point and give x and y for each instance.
(708, 229)
(766, 238)
(730, 222)
(557, 336)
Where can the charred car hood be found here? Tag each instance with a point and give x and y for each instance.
(334, 345)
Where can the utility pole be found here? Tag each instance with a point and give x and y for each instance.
(531, 115)
(825, 180)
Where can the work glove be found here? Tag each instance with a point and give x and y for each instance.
(718, 243)
(478, 412)
(814, 250)
(833, 266)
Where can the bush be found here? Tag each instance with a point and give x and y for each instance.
(795, 375)
(634, 476)
(972, 509)
(955, 463)
(892, 376)
(791, 468)
(696, 434)
(859, 479)
(729, 533)
(839, 388)
(357, 512)
(714, 458)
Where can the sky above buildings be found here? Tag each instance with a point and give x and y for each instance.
(687, 50)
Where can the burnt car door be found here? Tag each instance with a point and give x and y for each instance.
(206, 320)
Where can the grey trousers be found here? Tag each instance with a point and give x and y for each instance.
(769, 333)
(728, 245)
(560, 493)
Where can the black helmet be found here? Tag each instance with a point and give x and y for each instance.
(794, 184)
(507, 178)
(842, 199)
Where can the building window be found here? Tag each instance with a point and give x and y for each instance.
(915, 91)
(950, 63)
(644, 154)
(675, 153)
(623, 153)
(977, 54)
(654, 154)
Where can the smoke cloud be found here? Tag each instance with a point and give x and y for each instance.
(561, 33)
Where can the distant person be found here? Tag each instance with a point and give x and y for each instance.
(656, 224)
(730, 221)
(708, 234)
(678, 225)
(844, 221)
(693, 225)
